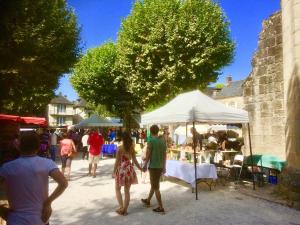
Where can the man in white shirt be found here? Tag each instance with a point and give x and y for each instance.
(26, 179)
(85, 146)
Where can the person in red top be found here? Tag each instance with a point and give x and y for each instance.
(95, 142)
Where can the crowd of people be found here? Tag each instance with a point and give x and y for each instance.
(26, 177)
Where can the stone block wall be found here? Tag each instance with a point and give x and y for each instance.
(291, 75)
(263, 92)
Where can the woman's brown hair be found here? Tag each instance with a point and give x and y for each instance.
(127, 141)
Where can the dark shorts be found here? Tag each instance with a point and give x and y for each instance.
(66, 161)
(155, 175)
(85, 149)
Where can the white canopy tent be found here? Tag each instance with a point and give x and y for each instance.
(195, 107)
(97, 121)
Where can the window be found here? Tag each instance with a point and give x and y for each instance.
(61, 108)
(60, 120)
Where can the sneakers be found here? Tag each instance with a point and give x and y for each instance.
(145, 202)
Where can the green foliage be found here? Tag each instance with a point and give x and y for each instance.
(220, 86)
(102, 111)
(166, 47)
(38, 43)
(96, 79)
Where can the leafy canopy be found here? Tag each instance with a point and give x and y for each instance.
(163, 47)
(38, 43)
(169, 46)
(96, 79)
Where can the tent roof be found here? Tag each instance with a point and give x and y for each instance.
(195, 106)
(39, 121)
(10, 118)
(97, 121)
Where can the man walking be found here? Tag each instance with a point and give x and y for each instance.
(95, 141)
(156, 154)
(26, 179)
(85, 146)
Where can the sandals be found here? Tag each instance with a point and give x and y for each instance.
(159, 210)
(121, 212)
(145, 202)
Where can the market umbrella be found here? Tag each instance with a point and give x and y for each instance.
(266, 160)
(97, 121)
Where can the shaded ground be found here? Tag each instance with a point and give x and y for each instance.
(89, 201)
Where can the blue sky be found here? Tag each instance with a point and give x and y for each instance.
(100, 21)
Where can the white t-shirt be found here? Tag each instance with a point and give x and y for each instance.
(84, 140)
(26, 181)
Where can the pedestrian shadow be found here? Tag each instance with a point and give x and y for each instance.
(104, 211)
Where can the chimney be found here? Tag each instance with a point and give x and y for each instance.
(228, 80)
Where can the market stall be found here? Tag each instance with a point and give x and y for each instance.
(195, 107)
(97, 121)
(9, 131)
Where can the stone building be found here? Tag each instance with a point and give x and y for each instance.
(272, 95)
(291, 77)
(272, 90)
(232, 93)
(263, 91)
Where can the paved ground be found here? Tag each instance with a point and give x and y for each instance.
(90, 201)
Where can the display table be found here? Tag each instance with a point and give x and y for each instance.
(109, 149)
(185, 171)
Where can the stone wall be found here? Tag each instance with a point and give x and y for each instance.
(263, 92)
(291, 75)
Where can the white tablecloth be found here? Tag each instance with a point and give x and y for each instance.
(186, 172)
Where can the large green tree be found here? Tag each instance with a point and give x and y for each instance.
(163, 47)
(39, 42)
(169, 46)
(97, 80)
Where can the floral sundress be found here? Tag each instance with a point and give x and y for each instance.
(125, 173)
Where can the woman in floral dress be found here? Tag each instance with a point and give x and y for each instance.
(124, 173)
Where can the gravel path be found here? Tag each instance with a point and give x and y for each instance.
(90, 201)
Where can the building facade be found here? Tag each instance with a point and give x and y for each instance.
(62, 112)
(231, 94)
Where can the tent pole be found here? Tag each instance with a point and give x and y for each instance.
(186, 130)
(195, 159)
(250, 147)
